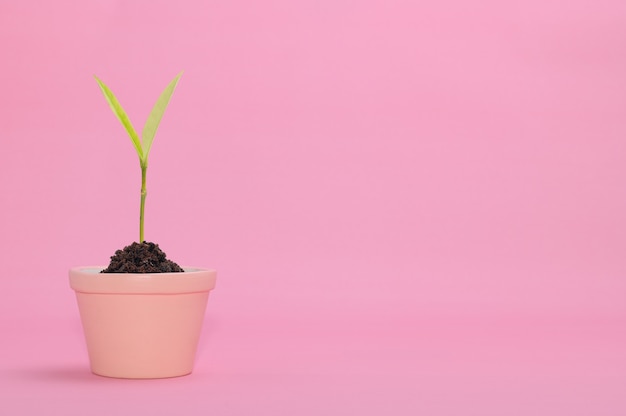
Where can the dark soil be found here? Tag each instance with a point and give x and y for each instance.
(141, 258)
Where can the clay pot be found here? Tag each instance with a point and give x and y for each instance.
(142, 325)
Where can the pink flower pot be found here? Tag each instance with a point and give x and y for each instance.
(142, 325)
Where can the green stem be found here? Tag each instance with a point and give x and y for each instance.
(144, 192)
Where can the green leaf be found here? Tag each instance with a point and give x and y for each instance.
(152, 124)
(121, 116)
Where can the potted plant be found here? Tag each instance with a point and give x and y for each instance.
(142, 315)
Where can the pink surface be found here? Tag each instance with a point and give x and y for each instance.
(411, 207)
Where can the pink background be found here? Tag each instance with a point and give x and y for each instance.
(413, 207)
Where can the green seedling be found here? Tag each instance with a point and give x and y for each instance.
(143, 145)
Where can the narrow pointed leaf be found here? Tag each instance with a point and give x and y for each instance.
(121, 116)
(152, 124)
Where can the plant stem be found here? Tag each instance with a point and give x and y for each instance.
(144, 192)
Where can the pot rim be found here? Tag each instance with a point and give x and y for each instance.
(88, 279)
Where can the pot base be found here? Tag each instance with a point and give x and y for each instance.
(136, 378)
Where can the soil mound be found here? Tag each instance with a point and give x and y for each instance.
(143, 257)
